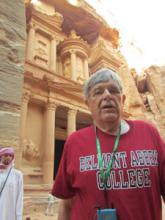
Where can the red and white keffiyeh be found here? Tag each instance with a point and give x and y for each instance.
(7, 151)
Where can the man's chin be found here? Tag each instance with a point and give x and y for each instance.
(111, 117)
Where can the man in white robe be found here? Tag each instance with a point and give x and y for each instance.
(11, 187)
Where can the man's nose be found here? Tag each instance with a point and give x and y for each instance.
(106, 93)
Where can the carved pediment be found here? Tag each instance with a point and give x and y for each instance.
(55, 20)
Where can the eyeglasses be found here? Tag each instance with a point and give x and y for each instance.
(97, 92)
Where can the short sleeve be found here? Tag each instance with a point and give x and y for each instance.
(162, 167)
(62, 187)
(160, 144)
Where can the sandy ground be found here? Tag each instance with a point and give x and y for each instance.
(42, 216)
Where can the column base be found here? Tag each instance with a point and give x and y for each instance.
(48, 168)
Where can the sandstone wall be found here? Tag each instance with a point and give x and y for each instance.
(12, 55)
(155, 80)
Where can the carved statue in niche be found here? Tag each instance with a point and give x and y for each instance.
(79, 69)
(42, 49)
(30, 152)
(41, 56)
(67, 67)
(73, 34)
(41, 52)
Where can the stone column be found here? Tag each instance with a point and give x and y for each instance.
(48, 157)
(24, 110)
(86, 70)
(30, 43)
(73, 64)
(53, 54)
(71, 121)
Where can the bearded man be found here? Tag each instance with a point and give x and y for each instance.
(11, 187)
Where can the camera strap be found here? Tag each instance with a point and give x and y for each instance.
(5, 182)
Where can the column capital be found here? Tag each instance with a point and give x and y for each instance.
(58, 41)
(31, 25)
(72, 51)
(53, 37)
(26, 96)
(86, 59)
(72, 111)
(51, 105)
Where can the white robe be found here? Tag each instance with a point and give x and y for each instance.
(11, 199)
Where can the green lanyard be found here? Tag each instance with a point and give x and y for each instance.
(106, 174)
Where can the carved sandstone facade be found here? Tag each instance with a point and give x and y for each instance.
(65, 45)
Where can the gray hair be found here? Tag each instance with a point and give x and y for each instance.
(99, 76)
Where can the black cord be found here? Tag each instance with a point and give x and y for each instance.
(92, 215)
(5, 182)
(106, 198)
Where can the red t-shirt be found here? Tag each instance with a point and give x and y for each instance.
(136, 181)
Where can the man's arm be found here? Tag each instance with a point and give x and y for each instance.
(64, 209)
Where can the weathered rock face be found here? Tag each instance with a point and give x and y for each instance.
(152, 89)
(133, 107)
(12, 55)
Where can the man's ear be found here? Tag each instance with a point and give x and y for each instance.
(123, 98)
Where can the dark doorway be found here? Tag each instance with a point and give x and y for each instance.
(59, 145)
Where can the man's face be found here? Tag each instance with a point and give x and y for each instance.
(105, 102)
(6, 159)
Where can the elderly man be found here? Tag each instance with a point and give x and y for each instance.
(11, 187)
(115, 168)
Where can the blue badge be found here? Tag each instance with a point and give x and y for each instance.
(106, 214)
